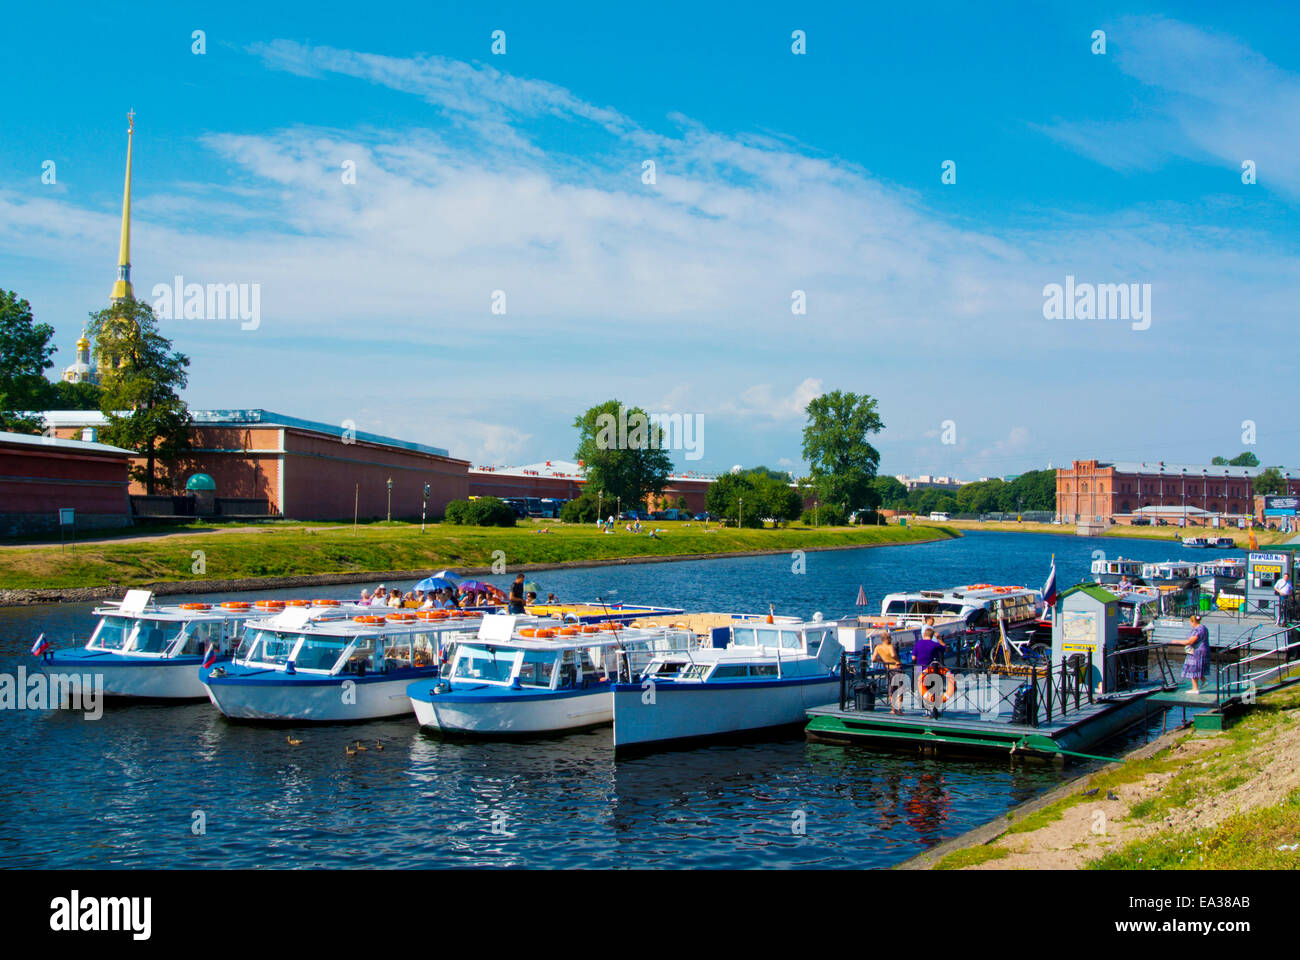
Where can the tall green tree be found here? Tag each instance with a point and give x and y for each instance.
(25, 352)
(890, 491)
(754, 496)
(62, 395)
(140, 379)
(622, 452)
(1270, 482)
(835, 443)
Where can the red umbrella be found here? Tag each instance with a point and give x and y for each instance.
(862, 597)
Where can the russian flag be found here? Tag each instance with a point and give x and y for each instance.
(1049, 588)
(210, 657)
(40, 646)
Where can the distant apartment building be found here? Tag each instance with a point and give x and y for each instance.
(928, 482)
(1104, 491)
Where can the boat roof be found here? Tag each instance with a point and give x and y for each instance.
(968, 592)
(346, 622)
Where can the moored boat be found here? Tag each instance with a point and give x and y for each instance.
(768, 675)
(152, 651)
(319, 665)
(545, 678)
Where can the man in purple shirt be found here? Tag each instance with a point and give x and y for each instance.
(928, 650)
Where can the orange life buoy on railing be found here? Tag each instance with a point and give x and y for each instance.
(544, 634)
(399, 617)
(235, 605)
(325, 603)
(927, 693)
(369, 618)
(297, 603)
(528, 632)
(591, 628)
(197, 606)
(270, 604)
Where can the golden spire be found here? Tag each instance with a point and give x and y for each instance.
(122, 288)
(83, 343)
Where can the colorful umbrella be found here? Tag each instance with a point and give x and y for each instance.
(862, 597)
(434, 583)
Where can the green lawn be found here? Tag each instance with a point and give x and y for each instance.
(289, 549)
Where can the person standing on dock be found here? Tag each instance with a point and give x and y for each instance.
(1197, 662)
(517, 595)
(929, 649)
(1283, 588)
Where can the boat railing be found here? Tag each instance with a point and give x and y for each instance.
(1244, 669)
(1130, 668)
(1045, 691)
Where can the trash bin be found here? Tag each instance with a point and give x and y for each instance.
(864, 697)
(1206, 603)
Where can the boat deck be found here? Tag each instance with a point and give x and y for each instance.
(969, 728)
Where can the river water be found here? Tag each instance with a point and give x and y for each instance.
(179, 786)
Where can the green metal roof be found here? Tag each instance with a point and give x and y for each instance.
(1093, 590)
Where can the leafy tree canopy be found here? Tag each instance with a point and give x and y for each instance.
(835, 443)
(622, 452)
(25, 352)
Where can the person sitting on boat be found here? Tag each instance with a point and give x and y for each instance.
(928, 650)
(427, 602)
(550, 599)
(1197, 662)
(394, 598)
(532, 598)
(884, 654)
(365, 599)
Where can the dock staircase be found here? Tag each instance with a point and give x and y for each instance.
(1247, 669)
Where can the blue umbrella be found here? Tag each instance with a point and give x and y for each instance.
(451, 575)
(434, 583)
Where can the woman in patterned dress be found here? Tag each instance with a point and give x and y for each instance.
(1197, 663)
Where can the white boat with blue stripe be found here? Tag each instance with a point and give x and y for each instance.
(152, 651)
(541, 679)
(768, 675)
(322, 666)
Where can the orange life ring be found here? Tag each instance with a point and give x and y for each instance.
(544, 634)
(270, 604)
(368, 619)
(235, 605)
(528, 632)
(196, 606)
(297, 603)
(399, 617)
(425, 614)
(568, 632)
(927, 694)
(591, 628)
(325, 603)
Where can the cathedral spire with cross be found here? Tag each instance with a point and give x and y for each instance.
(122, 287)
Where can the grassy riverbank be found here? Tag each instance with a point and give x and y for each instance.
(1119, 531)
(289, 549)
(1228, 801)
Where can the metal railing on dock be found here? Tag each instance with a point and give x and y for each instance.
(1236, 679)
(1045, 691)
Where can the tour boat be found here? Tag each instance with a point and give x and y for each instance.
(979, 605)
(538, 679)
(311, 664)
(1228, 573)
(1115, 570)
(1196, 543)
(142, 649)
(1170, 572)
(768, 675)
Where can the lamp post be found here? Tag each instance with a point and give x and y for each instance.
(424, 507)
(814, 513)
(390, 499)
(600, 501)
(740, 513)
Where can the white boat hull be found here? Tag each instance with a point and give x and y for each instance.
(518, 715)
(155, 680)
(689, 710)
(342, 702)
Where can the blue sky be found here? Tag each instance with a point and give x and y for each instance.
(774, 173)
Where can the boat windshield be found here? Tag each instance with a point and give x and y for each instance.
(919, 607)
(537, 669)
(111, 632)
(486, 664)
(320, 653)
(153, 636)
(267, 646)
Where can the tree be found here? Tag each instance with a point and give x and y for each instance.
(1270, 482)
(836, 447)
(25, 352)
(1246, 459)
(889, 491)
(622, 452)
(82, 395)
(141, 374)
(766, 495)
(584, 509)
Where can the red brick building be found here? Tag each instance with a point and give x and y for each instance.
(41, 475)
(305, 470)
(1097, 491)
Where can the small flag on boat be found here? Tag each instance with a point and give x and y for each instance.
(1049, 588)
(862, 597)
(210, 657)
(40, 646)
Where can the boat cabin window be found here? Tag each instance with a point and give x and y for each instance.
(320, 653)
(483, 663)
(790, 640)
(200, 635)
(537, 669)
(397, 651)
(764, 670)
(921, 608)
(362, 656)
(815, 638)
(111, 633)
(730, 671)
(695, 671)
(267, 646)
(743, 637)
(155, 636)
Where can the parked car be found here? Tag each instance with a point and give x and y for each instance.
(704, 516)
(673, 514)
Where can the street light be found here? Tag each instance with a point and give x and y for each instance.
(814, 513)
(390, 499)
(424, 507)
(600, 501)
(740, 514)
